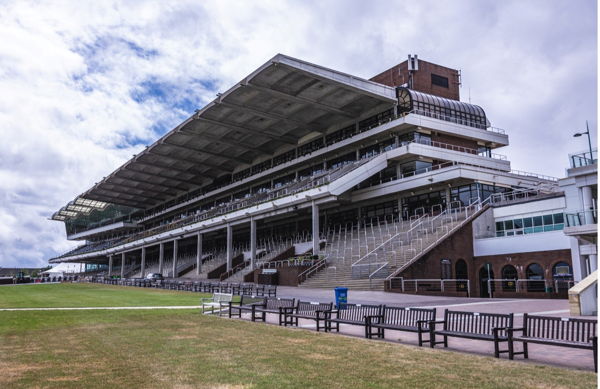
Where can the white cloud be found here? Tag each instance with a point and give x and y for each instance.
(75, 77)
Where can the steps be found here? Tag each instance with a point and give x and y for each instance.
(362, 259)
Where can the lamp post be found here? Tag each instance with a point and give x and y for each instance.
(589, 139)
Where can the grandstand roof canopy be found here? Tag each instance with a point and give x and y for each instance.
(281, 102)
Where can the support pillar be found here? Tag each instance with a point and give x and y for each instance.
(199, 255)
(143, 264)
(175, 248)
(229, 247)
(110, 265)
(252, 243)
(122, 265)
(315, 228)
(161, 257)
(588, 204)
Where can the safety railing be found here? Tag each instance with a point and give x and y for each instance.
(509, 285)
(581, 218)
(429, 285)
(320, 264)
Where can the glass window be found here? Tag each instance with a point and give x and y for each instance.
(518, 223)
(537, 221)
(508, 224)
(499, 226)
(558, 218)
(558, 227)
(548, 228)
(538, 229)
(528, 222)
(529, 230)
(510, 233)
(547, 220)
(500, 233)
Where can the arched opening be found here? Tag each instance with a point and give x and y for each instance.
(562, 274)
(486, 273)
(461, 272)
(535, 278)
(509, 277)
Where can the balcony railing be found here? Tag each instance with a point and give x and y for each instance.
(584, 159)
(582, 218)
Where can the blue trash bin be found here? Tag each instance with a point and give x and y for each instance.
(341, 297)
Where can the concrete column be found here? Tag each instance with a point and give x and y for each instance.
(588, 204)
(143, 265)
(175, 248)
(122, 265)
(315, 228)
(199, 255)
(110, 265)
(252, 243)
(593, 260)
(229, 247)
(161, 257)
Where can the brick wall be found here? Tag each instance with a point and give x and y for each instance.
(398, 75)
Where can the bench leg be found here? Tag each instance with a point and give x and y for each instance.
(420, 335)
(595, 350)
(432, 341)
(445, 341)
(496, 348)
(525, 351)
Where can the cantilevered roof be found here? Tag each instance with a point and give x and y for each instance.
(278, 104)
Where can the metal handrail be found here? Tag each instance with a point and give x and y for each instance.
(317, 266)
(375, 272)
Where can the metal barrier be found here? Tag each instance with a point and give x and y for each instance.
(430, 285)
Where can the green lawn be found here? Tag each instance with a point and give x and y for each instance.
(184, 349)
(90, 295)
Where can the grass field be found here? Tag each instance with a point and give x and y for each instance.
(184, 349)
(90, 295)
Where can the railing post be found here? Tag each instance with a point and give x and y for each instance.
(489, 284)
(468, 288)
(442, 285)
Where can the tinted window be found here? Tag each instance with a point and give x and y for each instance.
(439, 80)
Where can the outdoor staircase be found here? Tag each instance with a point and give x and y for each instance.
(362, 259)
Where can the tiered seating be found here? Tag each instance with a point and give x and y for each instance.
(362, 257)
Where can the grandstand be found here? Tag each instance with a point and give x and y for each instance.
(368, 176)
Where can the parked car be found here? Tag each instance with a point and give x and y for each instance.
(154, 276)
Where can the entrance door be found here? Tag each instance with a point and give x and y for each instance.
(484, 275)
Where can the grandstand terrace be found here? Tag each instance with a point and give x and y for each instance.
(368, 175)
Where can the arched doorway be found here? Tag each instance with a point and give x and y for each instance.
(461, 272)
(486, 273)
(535, 277)
(509, 273)
(562, 275)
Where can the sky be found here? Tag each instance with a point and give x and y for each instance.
(84, 85)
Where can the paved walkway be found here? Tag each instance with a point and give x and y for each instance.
(558, 356)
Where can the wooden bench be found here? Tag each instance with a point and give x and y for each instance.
(273, 305)
(354, 314)
(306, 310)
(246, 304)
(491, 327)
(400, 319)
(218, 300)
(554, 331)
